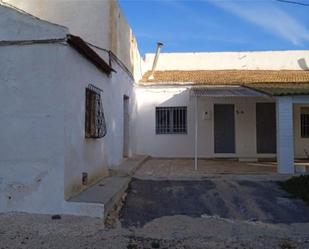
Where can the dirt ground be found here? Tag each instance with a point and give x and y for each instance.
(176, 212)
(196, 230)
(18, 230)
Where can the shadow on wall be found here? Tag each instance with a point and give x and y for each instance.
(303, 64)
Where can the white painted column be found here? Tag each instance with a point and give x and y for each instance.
(285, 136)
(196, 133)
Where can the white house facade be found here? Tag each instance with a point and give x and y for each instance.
(77, 99)
(45, 157)
(235, 106)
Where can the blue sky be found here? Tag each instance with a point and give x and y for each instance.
(218, 25)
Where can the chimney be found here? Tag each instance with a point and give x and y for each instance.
(159, 45)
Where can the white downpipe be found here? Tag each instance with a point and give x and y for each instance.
(196, 131)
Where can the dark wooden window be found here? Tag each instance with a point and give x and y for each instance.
(95, 126)
(171, 120)
(304, 120)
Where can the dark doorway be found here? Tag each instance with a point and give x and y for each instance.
(266, 127)
(126, 126)
(224, 128)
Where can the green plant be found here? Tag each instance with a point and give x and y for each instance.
(298, 187)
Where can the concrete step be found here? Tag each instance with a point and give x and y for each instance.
(108, 192)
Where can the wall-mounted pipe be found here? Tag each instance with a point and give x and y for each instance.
(155, 61)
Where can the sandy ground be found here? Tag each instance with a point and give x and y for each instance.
(19, 230)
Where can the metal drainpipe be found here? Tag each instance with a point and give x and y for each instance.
(159, 45)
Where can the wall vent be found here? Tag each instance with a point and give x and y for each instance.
(85, 178)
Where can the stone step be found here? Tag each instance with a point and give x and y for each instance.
(108, 192)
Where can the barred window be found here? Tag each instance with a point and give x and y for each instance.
(304, 120)
(171, 120)
(95, 126)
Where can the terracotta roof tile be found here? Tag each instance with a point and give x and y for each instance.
(227, 77)
(282, 89)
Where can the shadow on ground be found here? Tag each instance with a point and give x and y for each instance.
(236, 199)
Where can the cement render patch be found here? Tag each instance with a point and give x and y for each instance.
(103, 191)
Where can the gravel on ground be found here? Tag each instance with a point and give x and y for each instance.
(20, 230)
(200, 230)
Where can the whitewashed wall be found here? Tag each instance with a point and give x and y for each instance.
(81, 17)
(43, 150)
(31, 113)
(17, 26)
(268, 60)
(173, 145)
(100, 22)
(32, 128)
(93, 156)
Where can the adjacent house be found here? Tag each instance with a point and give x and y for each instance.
(77, 99)
(245, 105)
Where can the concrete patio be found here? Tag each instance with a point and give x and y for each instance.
(170, 168)
(179, 168)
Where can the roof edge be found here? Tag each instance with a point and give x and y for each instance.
(232, 52)
(21, 11)
(87, 52)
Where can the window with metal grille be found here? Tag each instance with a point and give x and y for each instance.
(95, 126)
(171, 120)
(304, 120)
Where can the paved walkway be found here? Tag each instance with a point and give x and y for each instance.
(178, 168)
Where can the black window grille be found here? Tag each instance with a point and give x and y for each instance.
(95, 126)
(171, 120)
(304, 120)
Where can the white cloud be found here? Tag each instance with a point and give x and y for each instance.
(183, 6)
(268, 16)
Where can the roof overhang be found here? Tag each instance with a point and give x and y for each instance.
(225, 91)
(292, 89)
(82, 47)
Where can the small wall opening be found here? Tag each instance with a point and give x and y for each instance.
(84, 178)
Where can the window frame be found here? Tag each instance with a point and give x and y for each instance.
(95, 125)
(172, 128)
